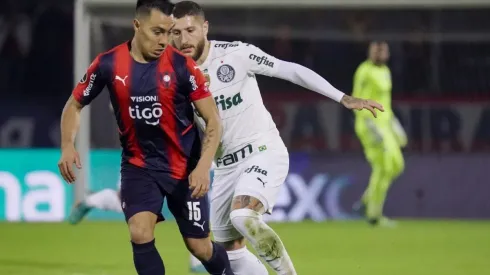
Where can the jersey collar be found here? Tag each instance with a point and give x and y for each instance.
(209, 58)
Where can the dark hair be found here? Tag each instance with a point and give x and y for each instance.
(144, 7)
(186, 8)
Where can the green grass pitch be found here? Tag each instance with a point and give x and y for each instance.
(340, 248)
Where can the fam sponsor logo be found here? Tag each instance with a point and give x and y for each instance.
(235, 157)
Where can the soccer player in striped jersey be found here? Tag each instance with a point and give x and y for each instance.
(153, 88)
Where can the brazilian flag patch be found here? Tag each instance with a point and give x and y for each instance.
(262, 148)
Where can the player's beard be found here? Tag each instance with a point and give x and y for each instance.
(199, 50)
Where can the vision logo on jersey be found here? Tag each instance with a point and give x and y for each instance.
(261, 60)
(228, 102)
(256, 169)
(87, 90)
(225, 73)
(151, 114)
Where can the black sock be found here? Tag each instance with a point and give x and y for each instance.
(147, 260)
(219, 264)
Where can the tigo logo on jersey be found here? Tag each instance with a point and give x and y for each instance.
(228, 102)
(151, 115)
(87, 90)
(261, 60)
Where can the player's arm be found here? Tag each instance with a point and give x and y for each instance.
(91, 84)
(361, 77)
(262, 63)
(205, 105)
(400, 134)
(212, 133)
(360, 87)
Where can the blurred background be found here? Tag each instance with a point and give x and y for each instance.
(440, 64)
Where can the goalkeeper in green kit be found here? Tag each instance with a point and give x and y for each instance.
(382, 138)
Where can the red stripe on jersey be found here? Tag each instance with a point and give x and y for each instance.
(176, 160)
(122, 69)
(84, 82)
(200, 88)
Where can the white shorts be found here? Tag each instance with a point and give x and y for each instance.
(260, 176)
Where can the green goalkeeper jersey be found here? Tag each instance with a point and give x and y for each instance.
(373, 82)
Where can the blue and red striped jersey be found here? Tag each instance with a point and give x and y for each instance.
(153, 106)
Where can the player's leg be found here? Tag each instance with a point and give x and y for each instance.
(106, 199)
(393, 167)
(242, 261)
(192, 216)
(387, 164)
(255, 194)
(142, 201)
(371, 138)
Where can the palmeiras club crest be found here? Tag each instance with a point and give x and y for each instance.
(226, 73)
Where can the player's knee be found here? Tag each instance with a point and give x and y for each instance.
(200, 248)
(234, 244)
(140, 233)
(141, 228)
(245, 220)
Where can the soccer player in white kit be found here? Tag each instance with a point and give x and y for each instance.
(252, 161)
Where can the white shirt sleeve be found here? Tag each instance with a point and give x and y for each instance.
(265, 64)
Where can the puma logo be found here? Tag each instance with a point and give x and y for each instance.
(123, 80)
(263, 183)
(199, 225)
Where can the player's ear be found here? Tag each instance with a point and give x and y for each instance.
(136, 24)
(205, 28)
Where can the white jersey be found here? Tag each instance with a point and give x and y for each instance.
(231, 69)
(247, 125)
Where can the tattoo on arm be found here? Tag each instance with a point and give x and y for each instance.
(248, 202)
(208, 135)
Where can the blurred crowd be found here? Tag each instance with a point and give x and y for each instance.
(434, 53)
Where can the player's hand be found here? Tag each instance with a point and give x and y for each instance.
(69, 156)
(199, 181)
(358, 104)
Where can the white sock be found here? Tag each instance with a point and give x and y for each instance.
(106, 199)
(265, 241)
(244, 262)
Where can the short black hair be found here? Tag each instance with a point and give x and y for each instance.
(144, 7)
(188, 8)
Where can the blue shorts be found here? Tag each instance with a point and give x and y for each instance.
(143, 190)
